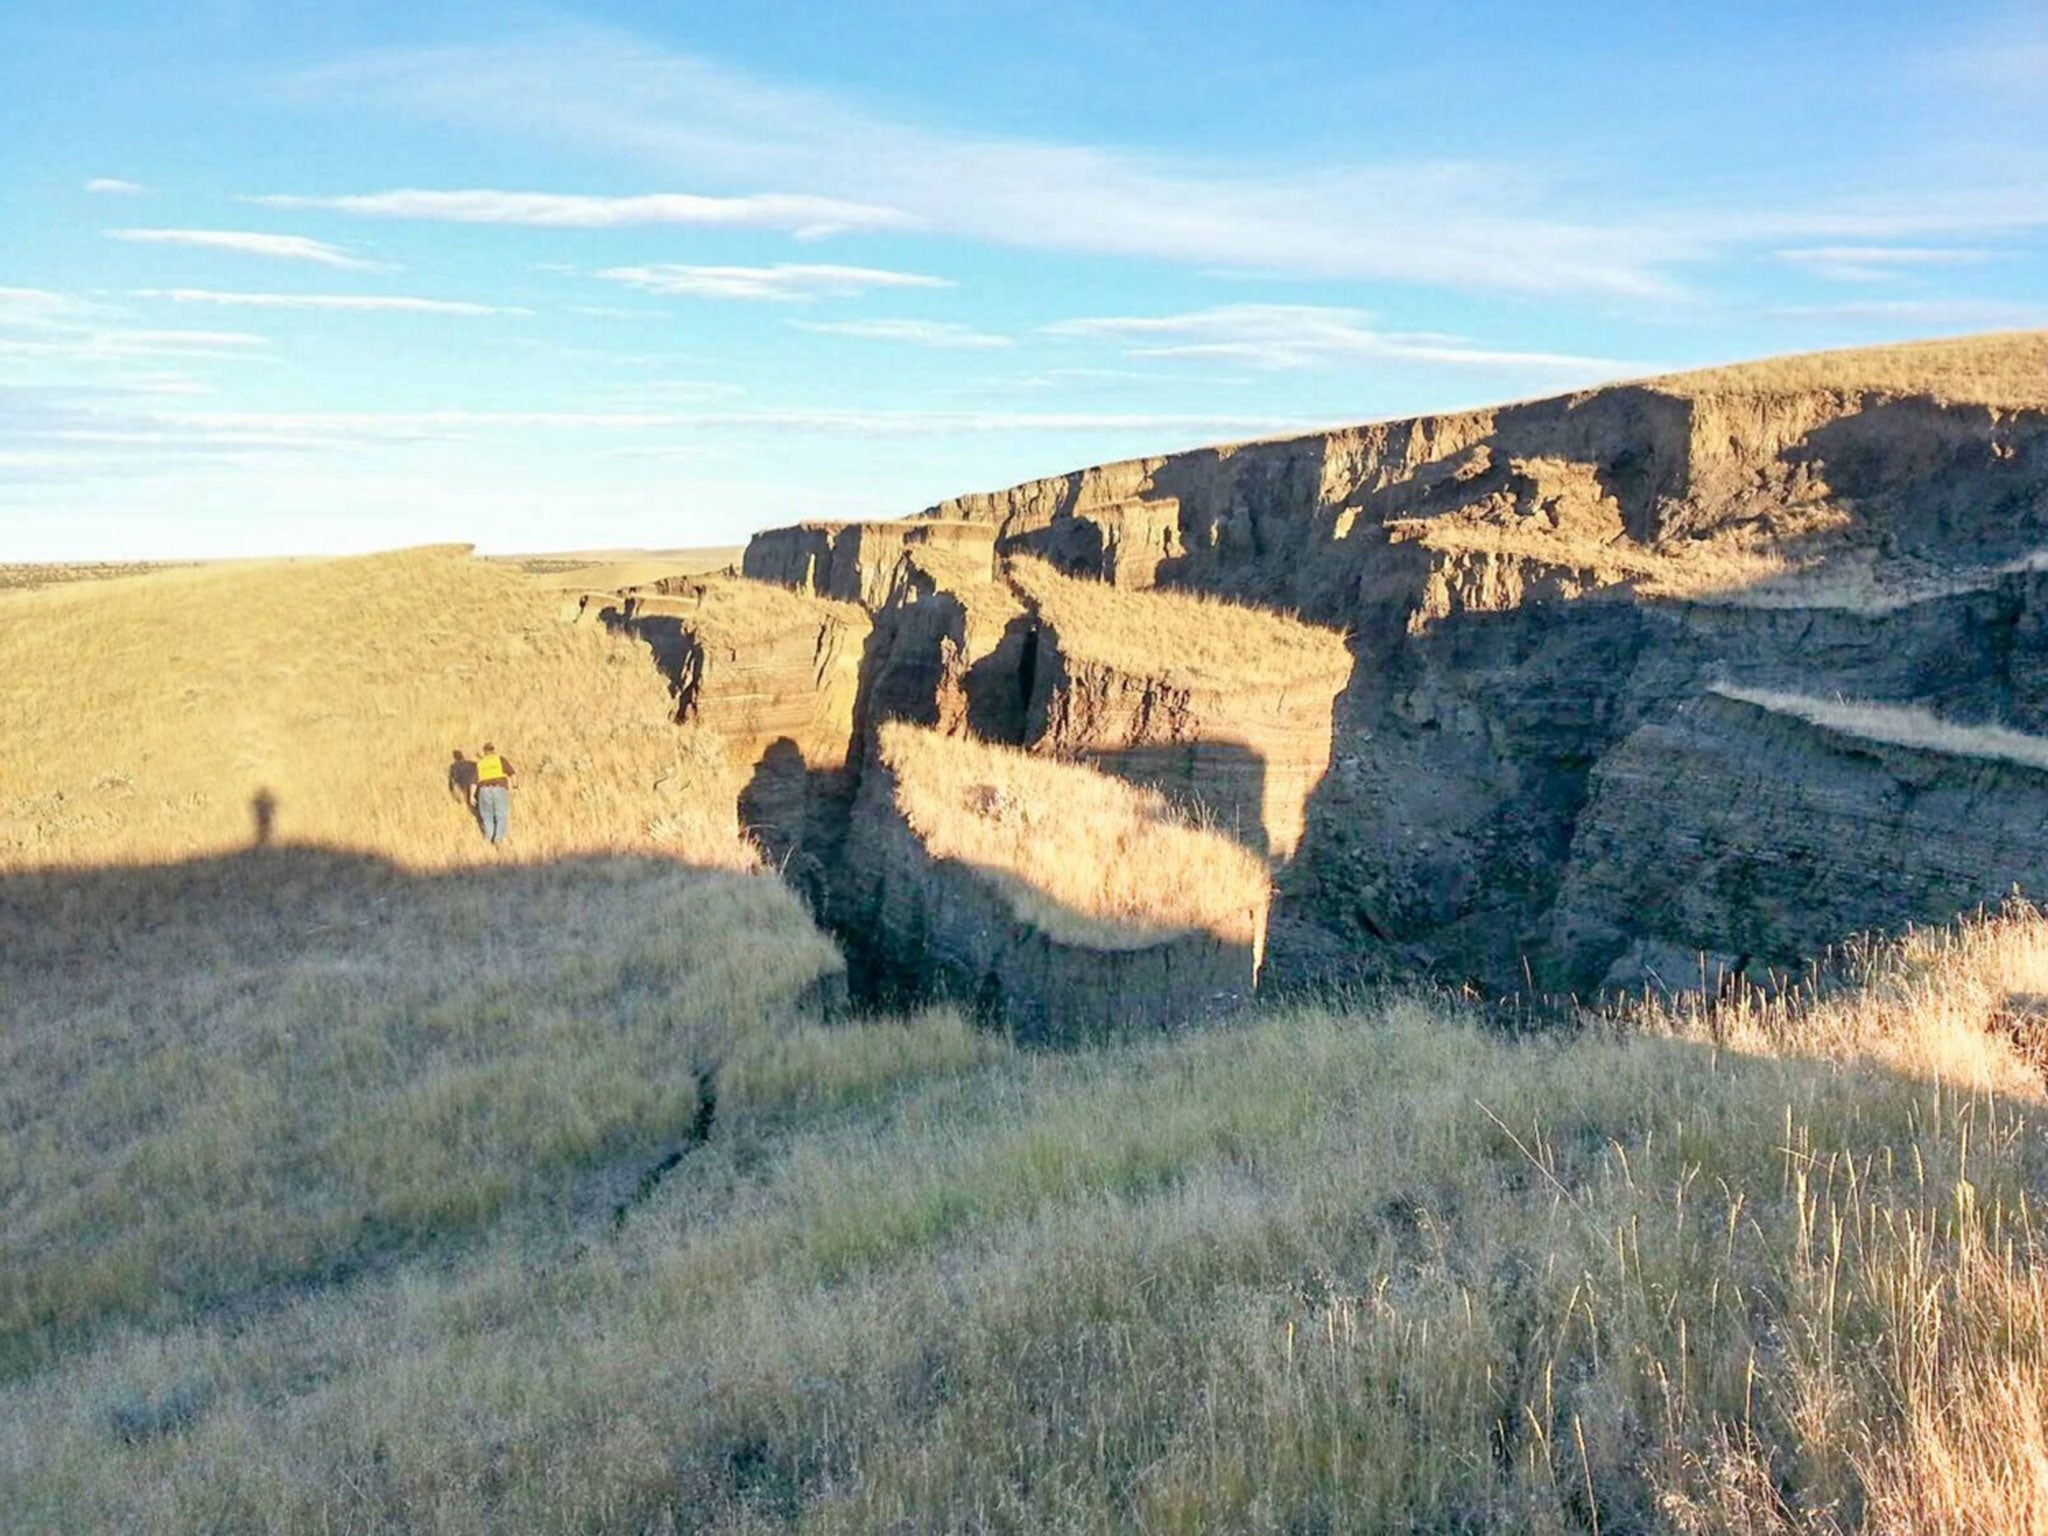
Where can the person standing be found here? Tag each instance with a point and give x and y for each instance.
(493, 795)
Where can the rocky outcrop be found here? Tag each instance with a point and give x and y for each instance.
(1729, 835)
(773, 679)
(920, 924)
(1675, 486)
(1227, 708)
(861, 562)
(751, 663)
(1526, 762)
(954, 648)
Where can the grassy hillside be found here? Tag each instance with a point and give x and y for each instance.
(1758, 1268)
(234, 1066)
(281, 1065)
(1084, 857)
(2008, 369)
(340, 689)
(369, 1180)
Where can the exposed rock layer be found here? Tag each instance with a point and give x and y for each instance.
(1225, 707)
(924, 925)
(1528, 776)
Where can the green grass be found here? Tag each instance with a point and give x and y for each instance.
(1378, 1268)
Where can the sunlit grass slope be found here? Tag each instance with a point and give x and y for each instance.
(228, 1069)
(1758, 1269)
(1086, 858)
(140, 717)
(1186, 638)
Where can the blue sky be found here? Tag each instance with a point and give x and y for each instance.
(296, 279)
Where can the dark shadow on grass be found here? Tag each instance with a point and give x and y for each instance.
(195, 1059)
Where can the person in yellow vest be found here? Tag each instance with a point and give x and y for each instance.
(493, 794)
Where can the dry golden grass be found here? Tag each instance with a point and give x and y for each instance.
(139, 719)
(1085, 858)
(275, 1066)
(2008, 369)
(225, 1068)
(617, 569)
(54, 574)
(1904, 725)
(739, 611)
(1748, 1267)
(1182, 636)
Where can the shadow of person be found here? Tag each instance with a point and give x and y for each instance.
(774, 805)
(263, 812)
(462, 783)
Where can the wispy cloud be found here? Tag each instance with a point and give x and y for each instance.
(1949, 314)
(41, 324)
(672, 392)
(1459, 223)
(91, 417)
(113, 186)
(42, 309)
(1875, 263)
(783, 283)
(806, 216)
(367, 303)
(123, 345)
(859, 422)
(1296, 336)
(250, 243)
(919, 333)
(1494, 224)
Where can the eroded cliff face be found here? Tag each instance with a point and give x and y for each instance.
(1226, 707)
(770, 681)
(1760, 835)
(918, 923)
(1533, 760)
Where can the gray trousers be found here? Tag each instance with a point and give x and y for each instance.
(494, 811)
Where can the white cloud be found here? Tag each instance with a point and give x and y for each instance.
(121, 345)
(41, 309)
(1463, 224)
(113, 186)
(36, 323)
(674, 391)
(167, 384)
(249, 242)
(1296, 336)
(921, 333)
(344, 429)
(363, 302)
(1952, 314)
(781, 283)
(1874, 263)
(805, 216)
(1495, 224)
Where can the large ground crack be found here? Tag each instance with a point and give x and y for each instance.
(697, 1133)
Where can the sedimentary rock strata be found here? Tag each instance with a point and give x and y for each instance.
(940, 901)
(1751, 833)
(1527, 773)
(1226, 706)
(752, 663)
(859, 562)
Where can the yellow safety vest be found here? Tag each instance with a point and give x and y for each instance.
(490, 769)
